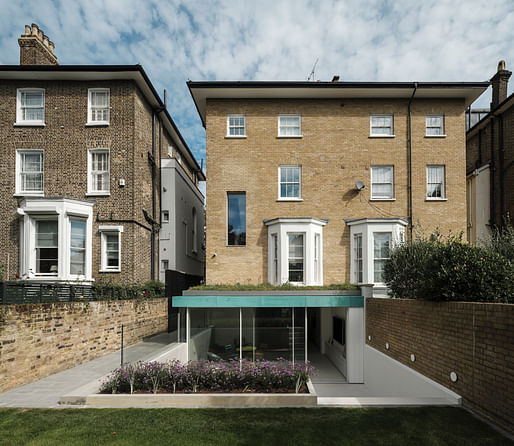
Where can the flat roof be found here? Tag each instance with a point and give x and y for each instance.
(202, 90)
(105, 72)
(267, 301)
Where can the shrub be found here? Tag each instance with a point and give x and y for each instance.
(502, 241)
(106, 289)
(210, 376)
(449, 271)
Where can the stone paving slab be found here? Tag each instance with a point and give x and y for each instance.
(45, 393)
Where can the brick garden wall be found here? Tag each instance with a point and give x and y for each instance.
(37, 340)
(474, 340)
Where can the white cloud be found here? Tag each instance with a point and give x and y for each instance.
(267, 40)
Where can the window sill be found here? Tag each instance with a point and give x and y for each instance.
(435, 136)
(109, 271)
(436, 199)
(29, 124)
(98, 194)
(235, 136)
(289, 136)
(236, 246)
(382, 136)
(382, 199)
(27, 194)
(97, 124)
(290, 199)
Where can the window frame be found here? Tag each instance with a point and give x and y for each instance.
(358, 267)
(165, 216)
(163, 269)
(229, 127)
(443, 183)
(280, 197)
(441, 127)
(84, 249)
(382, 198)
(104, 232)
(90, 191)
(90, 121)
(34, 261)
(381, 135)
(19, 109)
(280, 126)
(228, 219)
(18, 172)
(304, 239)
(194, 231)
(381, 259)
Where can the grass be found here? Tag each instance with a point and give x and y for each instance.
(269, 287)
(327, 426)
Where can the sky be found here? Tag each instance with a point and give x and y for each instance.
(359, 40)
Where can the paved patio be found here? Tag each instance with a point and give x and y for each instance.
(47, 391)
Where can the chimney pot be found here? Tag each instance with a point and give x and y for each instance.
(335, 78)
(36, 48)
(500, 83)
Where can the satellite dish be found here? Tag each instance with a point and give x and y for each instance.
(359, 185)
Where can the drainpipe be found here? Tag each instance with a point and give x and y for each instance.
(409, 157)
(501, 156)
(492, 201)
(152, 236)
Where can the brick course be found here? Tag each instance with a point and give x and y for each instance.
(334, 153)
(474, 340)
(37, 340)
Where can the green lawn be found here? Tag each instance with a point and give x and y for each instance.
(269, 427)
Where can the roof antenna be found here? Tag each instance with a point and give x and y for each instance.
(311, 76)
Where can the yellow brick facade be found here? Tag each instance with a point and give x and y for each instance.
(334, 152)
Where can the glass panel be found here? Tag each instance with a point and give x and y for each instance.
(112, 250)
(78, 247)
(47, 251)
(299, 334)
(32, 98)
(273, 336)
(236, 219)
(77, 261)
(296, 260)
(215, 334)
(78, 234)
(381, 246)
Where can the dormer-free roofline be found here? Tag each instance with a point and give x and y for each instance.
(203, 90)
(105, 72)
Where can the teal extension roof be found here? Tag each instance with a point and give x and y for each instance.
(267, 301)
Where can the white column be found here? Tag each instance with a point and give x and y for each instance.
(188, 332)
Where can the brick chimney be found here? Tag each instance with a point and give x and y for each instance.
(36, 48)
(500, 82)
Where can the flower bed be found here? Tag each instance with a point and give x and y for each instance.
(231, 376)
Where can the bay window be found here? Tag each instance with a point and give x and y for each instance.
(55, 239)
(295, 250)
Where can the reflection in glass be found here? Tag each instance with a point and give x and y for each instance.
(236, 218)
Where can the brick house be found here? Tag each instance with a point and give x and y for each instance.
(82, 152)
(312, 182)
(490, 160)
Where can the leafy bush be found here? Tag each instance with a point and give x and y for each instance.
(449, 270)
(111, 291)
(502, 241)
(210, 376)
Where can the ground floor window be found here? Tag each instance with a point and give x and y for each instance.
(247, 333)
(381, 247)
(55, 239)
(370, 242)
(111, 248)
(295, 250)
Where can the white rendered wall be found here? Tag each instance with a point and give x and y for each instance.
(179, 196)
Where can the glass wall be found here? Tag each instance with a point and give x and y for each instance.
(266, 334)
